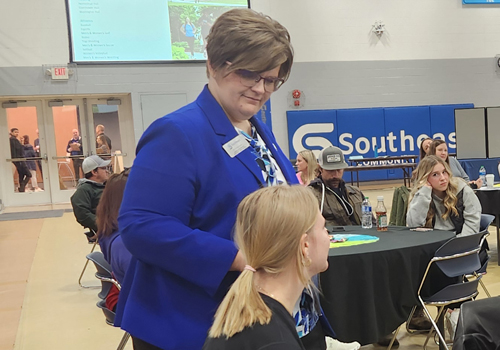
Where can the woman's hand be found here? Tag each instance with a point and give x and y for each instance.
(479, 183)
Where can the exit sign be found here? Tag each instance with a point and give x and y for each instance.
(59, 73)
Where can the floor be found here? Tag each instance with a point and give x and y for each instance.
(43, 307)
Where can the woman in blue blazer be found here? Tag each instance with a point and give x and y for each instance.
(177, 224)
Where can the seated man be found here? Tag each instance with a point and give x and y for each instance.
(340, 204)
(88, 193)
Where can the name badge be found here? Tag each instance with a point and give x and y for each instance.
(236, 146)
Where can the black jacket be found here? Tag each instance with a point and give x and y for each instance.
(16, 149)
(85, 201)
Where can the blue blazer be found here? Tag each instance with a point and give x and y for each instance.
(177, 218)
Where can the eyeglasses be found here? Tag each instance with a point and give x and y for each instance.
(250, 79)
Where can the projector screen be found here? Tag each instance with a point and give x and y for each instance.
(131, 31)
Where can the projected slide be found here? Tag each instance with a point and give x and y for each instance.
(142, 31)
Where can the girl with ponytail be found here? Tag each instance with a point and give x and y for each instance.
(282, 235)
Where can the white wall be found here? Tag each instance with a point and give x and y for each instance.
(34, 32)
(340, 30)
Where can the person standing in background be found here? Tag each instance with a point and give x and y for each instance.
(29, 152)
(188, 29)
(75, 149)
(17, 151)
(36, 146)
(99, 131)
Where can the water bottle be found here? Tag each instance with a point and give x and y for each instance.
(381, 212)
(366, 209)
(482, 174)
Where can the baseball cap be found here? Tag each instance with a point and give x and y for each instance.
(332, 158)
(93, 162)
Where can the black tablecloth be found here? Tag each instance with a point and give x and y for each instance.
(490, 200)
(370, 289)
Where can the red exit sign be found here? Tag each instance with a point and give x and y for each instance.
(60, 73)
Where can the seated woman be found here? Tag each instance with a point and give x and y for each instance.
(440, 149)
(424, 147)
(307, 166)
(282, 235)
(108, 234)
(439, 200)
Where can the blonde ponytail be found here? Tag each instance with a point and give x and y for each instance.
(269, 225)
(242, 306)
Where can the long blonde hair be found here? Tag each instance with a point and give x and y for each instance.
(424, 169)
(312, 166)
(269, 225)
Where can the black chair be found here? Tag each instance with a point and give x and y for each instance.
(477, 327)
(455, 258)
(110, 314)
(486, 220)
(103, 272)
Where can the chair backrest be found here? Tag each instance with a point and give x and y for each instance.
(108, 314)
(486, 220)
(459, 256)
(102, 266)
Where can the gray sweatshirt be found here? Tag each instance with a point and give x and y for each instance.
(419, 206)
(457, 170)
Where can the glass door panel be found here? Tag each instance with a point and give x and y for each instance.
(69, 148)
(26, 162)
(106, 117)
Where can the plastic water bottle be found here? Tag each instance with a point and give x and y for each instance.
(381, 212)
(482, 174)
(366, 209)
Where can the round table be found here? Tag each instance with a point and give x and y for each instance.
(370, 289)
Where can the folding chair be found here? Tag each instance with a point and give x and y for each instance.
(109, 314)
(103, 272)
(455, 258)
(86, 263)
(486, 220)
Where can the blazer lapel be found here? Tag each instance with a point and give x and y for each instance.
(226, 131)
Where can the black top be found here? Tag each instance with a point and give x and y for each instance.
(279, 334)
(16, 149)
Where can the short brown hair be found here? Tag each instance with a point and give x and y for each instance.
(249, 40)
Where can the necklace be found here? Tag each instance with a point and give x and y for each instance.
(263, 291)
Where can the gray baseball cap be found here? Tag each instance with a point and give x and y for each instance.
(332, 158)
(93, 162)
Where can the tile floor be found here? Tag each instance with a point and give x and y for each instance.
(43, 307)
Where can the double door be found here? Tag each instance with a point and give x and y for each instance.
(56, 134)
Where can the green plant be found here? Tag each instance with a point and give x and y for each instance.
(178, 53)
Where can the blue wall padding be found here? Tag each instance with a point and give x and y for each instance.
(356, 130)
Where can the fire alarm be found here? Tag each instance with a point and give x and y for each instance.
(296, 99)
